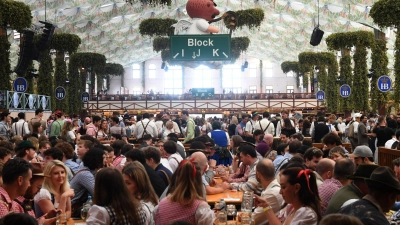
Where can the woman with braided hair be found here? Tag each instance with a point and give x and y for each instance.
(300, 193)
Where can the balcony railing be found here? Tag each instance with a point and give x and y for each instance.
(149, 97)
(24, 101)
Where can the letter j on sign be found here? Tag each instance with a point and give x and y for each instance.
(200, 47)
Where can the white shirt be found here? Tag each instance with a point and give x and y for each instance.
(174, 161)
(20, 128)
(275, 200)
(390, 142)
(165, 163)
(150, 129)
(263, 124)
(250, 126)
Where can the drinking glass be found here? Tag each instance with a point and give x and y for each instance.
(221, 218)
(247, 201)
(84, 212)
(61, 219)
(246, 220)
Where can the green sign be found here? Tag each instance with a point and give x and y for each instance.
(202, 92)
(200, 47)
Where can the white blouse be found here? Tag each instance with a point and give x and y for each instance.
(44, 194)
(98, 215)
(204, 215)
(303, 216)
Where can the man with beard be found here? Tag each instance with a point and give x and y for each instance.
(26, 201)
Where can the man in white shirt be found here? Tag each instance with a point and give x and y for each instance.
(250, 124)
(21, 127)
(174, 158)
(265, 173)
(284, 115)
(265, 125)
(392, 143)
(145, 126)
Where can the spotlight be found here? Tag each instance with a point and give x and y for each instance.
(371, 73)
(67, 82)
(246, 64)
(162, 65)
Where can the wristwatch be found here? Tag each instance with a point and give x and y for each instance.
(267, 208)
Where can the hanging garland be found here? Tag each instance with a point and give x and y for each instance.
(249, 17)
(385, 14)
(360, 86)
(15, 15)
(397, 71)
(108, 82)
(114, 69)
(65, 42)
(347, 76)
(96, 62)
(361, 40)
(60, 76)
(307, 61)
(292, 66)
(380, 61)
(160, 43)
(157, 27)
(5, 67)
(75, 86)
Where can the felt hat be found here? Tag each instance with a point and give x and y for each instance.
(24, 145)
(384, 177)
(363, 171)
(37, 170)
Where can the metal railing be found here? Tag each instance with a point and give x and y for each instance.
(229, 96)
(24, 101)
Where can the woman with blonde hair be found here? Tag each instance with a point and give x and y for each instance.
(113, 204)
(55, 192)
(185, 201)
(68, 132)
(138, 183)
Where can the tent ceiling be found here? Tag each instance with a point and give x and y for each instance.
(112, 27)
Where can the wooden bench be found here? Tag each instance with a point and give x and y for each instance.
(386, 156)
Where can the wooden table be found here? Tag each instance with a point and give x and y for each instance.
(230, 197)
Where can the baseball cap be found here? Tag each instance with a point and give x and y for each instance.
(362, 151)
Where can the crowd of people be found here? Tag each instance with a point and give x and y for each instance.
(53, 166)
